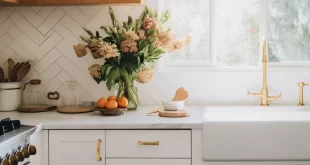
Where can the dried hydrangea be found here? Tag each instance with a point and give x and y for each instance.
(141, 34)
(176, 46)
(95, 71)
(149, 23)
(145, 75)
(188, 40)
(129, 46)
(94, 49)
(107, 50)
(80, 50)
(165, 40)
(131, 35)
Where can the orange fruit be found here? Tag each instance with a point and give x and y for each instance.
(111, 104)
(122, 102)
(101, 103)
(112, 98)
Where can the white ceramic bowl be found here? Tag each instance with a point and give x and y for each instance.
(173, 105)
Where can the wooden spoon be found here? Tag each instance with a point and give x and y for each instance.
(1, 75)
(14, 71)
(22, 72)
(11, 65)
(180, 94)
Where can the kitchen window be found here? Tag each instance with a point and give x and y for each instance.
(229, 34)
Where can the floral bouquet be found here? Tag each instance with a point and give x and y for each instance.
(130, 50)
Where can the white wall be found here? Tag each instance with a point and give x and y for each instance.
(45, 35)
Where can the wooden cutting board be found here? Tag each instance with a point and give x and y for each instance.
(74, 110)
(36, 108)
(173, 114)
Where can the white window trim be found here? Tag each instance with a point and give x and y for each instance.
(263, 25)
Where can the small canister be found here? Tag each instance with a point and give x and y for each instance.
(10, 96)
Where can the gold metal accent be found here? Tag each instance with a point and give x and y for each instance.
(154, 143)
(264, 92)
(99, 158)
(301, 93)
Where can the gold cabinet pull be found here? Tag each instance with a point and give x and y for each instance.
(99, 150)
(154, 143)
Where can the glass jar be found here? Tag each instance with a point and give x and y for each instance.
(72, 96)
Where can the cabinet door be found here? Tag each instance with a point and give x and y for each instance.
(148, 161)
(80, 147)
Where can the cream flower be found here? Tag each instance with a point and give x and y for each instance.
(80, 50)
(165, 40)
(95, 71)
(176, 46)
(130, 35)
(129, 46)
(107, 50)
(145, 75)
(150, 23)
(188, 40)
(141, 34)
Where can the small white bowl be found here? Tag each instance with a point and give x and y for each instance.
(173, 105)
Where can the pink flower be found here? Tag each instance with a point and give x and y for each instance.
(129, 46)
(176, 46)
(149, 23)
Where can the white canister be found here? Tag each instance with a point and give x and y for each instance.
(10, 96)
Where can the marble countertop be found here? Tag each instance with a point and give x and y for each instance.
(129, 120)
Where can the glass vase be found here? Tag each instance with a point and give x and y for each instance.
(130, 91)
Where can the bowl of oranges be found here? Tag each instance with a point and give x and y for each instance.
(112, 106)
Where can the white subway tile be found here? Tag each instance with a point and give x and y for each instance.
(49, 74)
(5, 12)
(76, 14)
(53, 85)
(27, 28)
(5, 41)
(64, 77)
(19, 36)
(23, 52)
(96, 22)
(30, 15)
(5, 27)
(90, 11)
(51, 42)
(66, 34)
(47, 61)
(36, 8)
(67, 50)
(51, 21)
(46, 11)
(72, 26)
(5, 55)
(49, 33)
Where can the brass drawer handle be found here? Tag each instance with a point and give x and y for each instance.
(99, 150)
(155, 143)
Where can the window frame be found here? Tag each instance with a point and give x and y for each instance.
(263, 32)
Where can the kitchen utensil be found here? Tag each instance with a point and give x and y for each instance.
(10, 96)
(173, 114)
(33, 82)
(173, 105)
(36, 108)
(13, 72)
(11, 66)
(111, 112)
(1, 75)
(180, 94)
(22, 72)
(74, 110)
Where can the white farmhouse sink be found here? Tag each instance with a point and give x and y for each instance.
(256, 133)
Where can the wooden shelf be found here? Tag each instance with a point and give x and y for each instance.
(78, 2)
(8, 1)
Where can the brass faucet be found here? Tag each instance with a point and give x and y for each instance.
(301, 93)
(264, 92)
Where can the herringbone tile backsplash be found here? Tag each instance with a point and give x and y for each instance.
(46, 35)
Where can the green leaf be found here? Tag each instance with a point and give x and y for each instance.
(113, 77)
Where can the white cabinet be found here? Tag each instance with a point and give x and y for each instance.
(76, 147)
(148, 162)
(168, 144)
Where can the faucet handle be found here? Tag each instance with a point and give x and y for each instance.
(301, 84)
(272, 98)
(254, 94)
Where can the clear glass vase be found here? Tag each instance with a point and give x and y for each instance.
(130, 91)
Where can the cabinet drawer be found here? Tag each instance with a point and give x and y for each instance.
(148, 162)
(148, 144)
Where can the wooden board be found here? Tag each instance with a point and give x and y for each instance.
(173, 114)
(36, 108)
(74, 110)
(79, 2)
